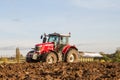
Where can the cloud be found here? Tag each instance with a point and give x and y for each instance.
(96, 4)
(16, 20)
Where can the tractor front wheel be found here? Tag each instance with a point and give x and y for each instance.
(29, 57)
(72, 56)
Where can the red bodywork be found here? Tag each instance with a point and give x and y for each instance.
(67, 48)
(46, 47)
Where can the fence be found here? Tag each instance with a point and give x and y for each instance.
(16, 56)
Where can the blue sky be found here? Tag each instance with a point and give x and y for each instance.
(94, 24)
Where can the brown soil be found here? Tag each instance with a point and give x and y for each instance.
(60, 71)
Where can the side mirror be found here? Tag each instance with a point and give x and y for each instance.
(41, 36)
(44, 39)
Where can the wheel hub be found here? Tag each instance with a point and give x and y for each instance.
(71, 58)
(34, 56)
(50, 60)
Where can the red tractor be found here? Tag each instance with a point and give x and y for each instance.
(54, 48)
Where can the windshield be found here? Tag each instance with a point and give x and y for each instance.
(53, 39)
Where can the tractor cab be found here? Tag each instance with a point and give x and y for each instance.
(58, 40)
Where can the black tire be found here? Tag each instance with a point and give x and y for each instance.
(72, 55)
(51, 58)
(28, 58)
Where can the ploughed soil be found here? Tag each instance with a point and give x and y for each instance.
(60, 71)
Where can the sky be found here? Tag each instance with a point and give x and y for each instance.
(94, 24)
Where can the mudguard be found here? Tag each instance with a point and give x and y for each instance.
(67, 48)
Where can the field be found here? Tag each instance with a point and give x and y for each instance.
(60, 71)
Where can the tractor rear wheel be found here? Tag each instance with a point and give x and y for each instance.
(72, 56)
(51, 58)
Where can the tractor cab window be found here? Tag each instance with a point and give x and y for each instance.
(64, 40)
(53, 39)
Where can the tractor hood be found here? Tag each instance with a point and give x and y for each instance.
(44, 47)
(45, 44)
